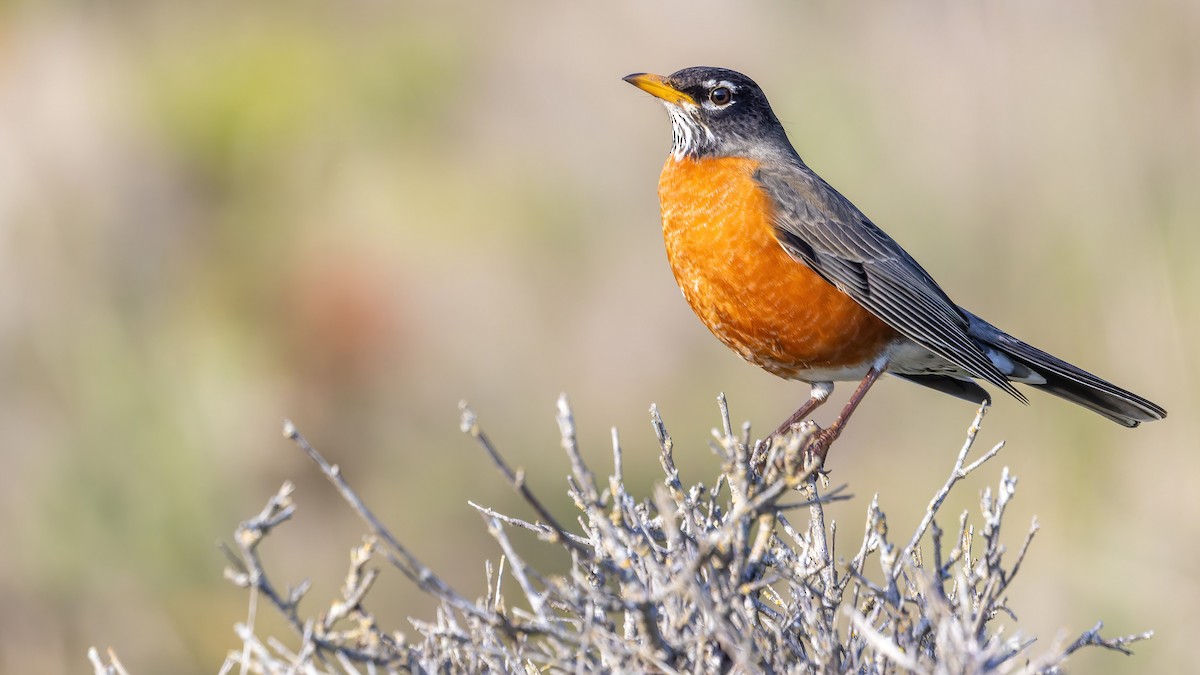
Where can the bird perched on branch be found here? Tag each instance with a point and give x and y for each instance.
(789, 274)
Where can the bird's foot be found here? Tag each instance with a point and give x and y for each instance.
(816, 449)
(794, 450)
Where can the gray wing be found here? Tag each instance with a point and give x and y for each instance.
(818, 226)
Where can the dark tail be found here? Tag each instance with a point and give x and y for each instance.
(1067, 381)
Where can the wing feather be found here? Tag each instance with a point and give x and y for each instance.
(818, 226)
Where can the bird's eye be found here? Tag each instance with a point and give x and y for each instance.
(720, 96)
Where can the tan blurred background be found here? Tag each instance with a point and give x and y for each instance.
(356, 214)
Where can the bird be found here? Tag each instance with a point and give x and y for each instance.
(794, 278)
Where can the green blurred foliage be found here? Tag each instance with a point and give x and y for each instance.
(214, 216)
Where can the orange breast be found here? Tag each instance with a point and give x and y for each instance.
(769, 308)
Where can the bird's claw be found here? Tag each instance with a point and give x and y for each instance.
(801, 443)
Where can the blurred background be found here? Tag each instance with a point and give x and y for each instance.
(217, 215)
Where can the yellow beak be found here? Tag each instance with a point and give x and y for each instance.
(656, 85)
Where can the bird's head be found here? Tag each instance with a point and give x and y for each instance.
(715, 112)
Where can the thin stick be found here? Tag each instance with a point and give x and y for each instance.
(470, 426)
(957, 474)
(396, 553)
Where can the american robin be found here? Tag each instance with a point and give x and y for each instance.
(789, 274)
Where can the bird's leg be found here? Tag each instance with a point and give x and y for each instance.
(819, 445)
(820, 392)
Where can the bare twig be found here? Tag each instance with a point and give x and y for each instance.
(958, 473)
(1093, 638)
(470, 426)
(113, 667)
